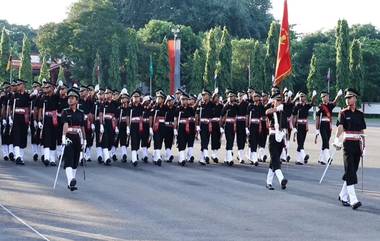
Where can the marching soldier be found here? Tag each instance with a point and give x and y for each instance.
(288, 110)
(263, 136)
(193, 103)
(323, 124)
(300, 115)
(254, 116)
(158, 116)
(108, 125)
(48, 122)
(87, 106)
(241, 128)
(136, 124)
(6, 138)
(277, 122)
(20, 121)
(99, 129)
(72, 137)
(215, 122)
(115, 144)
(169, 128)
(124, 130)
(351, 124)
(145, 140)
(34, 131)
(63, 104)
(184, 128)
(203, 117)
(229, 113)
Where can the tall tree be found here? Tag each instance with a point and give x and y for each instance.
(211, 60)
(114, 68)
(271, 54)
(97, 70)
(4, 54)
(198, 64)
(342, 55)
(162, 68)
(356, 61)
(257, 67)
(131, 61)
(314, 78)
(25, 71)
(45, 70)
(225, 60)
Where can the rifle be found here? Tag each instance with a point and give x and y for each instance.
(43, 120)
(13, 115)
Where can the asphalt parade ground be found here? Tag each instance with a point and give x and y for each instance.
(213, 202)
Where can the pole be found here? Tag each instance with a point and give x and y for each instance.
(150, 76)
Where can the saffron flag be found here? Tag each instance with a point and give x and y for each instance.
(284, 64)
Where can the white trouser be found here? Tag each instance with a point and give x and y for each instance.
(144, 152)
(253, 157)
(134, 156)
(168, 153)
(99, 152)
(214, 154)
(270, 176)
(35, 149)
(279, 175)
(189, 152)
(47, 154)
(52, 155)
(241, 154)
(352, 194)
(181, 156)
(5, 150)
(344, 193)
(17, 152)
(123, 150)
(106, 154)
(157, 155)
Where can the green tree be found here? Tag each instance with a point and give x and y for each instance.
(314, 79)
(45, 70)
(342, 55)
(225, 60)
(211, 60)
(131, 60)
(257, 67)
(4, 54)
(198, 64)
(97, 70)
(271, 54)
(25, 71)
(356, 61)
(162, 68)
(242, 61)
(114, 68)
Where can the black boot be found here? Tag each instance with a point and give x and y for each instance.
(356, 205)
(6, 158)
(46, 162)
(287, 158)
(134, 164)
(124, 158)
(53, 164)
(207, 159)
(11, 157)
(215, 160)
(283, 183)
(191, 160)
(159, 161)
(108, 162)
(19, 161)
(114, 158)
(306, 158)
(100, 160)
(265, 158)
(145, 159)
(35, 157)
(269, 187)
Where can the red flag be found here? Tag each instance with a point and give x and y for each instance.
(284, 63)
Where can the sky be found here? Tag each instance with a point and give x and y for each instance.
(308, 15)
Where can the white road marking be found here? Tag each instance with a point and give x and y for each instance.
(23, 222)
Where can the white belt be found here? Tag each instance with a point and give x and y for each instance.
(352, 136)
(74, 129)
(239, 118)
(215, 119)
(135, 118)
(325, 119)
(255, 120)
(19, 110)
(108, 116)
(302, 121)
(205, 120)
(231, 120)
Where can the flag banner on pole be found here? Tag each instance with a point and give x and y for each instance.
(172, 65)
(284, 64)
(177, 67)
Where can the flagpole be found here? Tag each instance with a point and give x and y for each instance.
(150, 75)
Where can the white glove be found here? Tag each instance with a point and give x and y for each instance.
(60, 83)
(84, 144)
(221, 130)
(363, 152)
(40, 126)
(4, 122)
(297, 95)
(337, 144)
(35, 92)
(151, 131)
(116, 130)
(101, 129)
(198, 128)
(247, 131)
(280, 108)
(314, 93)
(35, 124)
(175, 132)
(85, 117)
(340, 92)
(295, 130)
(10, 121)
(29, 130)
(128, 131)
(64, 140)
(92, 127)
(290, 93)
(97, 88)
(317, 132)
(270, 101)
